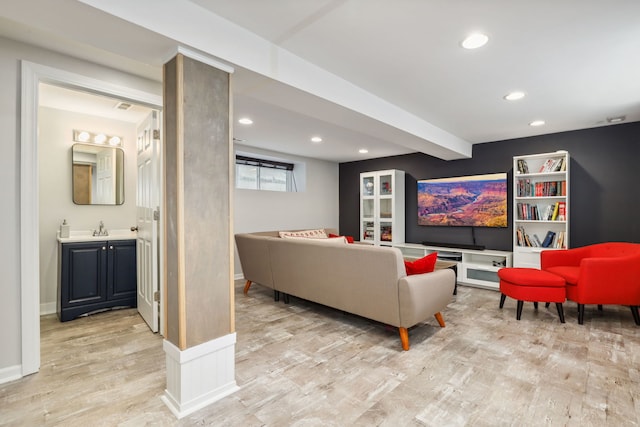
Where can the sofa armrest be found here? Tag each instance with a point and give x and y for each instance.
(563, 257)
(423, 295)
(610, 280)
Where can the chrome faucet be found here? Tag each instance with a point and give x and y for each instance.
(101, 231)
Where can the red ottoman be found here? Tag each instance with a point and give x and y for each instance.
(531, 284)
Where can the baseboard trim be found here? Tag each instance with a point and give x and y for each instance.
(187, 389)
(11, 373)
(48, 308)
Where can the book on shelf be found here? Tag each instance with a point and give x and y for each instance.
(560, 165)
(546, 166)
(562, 211)
(520, 236)
(523, 237)
(553, 165)
(555, 212)
(536, 240)
(548, 240)
(542, 189)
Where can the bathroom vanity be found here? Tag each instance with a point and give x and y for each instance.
(96, 273)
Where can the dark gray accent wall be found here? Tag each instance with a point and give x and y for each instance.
(604, 185)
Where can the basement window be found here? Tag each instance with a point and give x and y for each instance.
(262, 174)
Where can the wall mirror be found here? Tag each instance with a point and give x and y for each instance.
(98, 175)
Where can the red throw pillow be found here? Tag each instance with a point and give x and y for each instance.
(423, 265)
(349, 238)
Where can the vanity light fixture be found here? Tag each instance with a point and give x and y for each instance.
(316, 139)
(96, 138)
(537, 123)
(475, 40)
(514, 96)
(245, 121)
(81, 136)
(100, 138)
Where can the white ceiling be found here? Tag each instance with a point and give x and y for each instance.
(387, 76)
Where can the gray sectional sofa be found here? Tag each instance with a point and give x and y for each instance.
(369, 281)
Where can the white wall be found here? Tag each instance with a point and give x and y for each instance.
(55, 130)
(315, 207)
(11, 53)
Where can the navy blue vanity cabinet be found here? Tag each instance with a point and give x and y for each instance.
(96, 275)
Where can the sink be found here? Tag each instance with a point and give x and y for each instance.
(87, 236)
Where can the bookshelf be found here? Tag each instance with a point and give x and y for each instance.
(540, 206)
(382, 207)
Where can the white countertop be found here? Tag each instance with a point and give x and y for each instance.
(87, 236)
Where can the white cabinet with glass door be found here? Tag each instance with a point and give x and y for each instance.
(382, 207)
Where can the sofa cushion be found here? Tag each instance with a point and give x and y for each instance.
(309, 234)
(341, 240)
(349, 238)
(423, 265)
(569, 273)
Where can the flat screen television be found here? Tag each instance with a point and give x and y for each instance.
(476, 201)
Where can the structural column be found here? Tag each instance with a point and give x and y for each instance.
(198, 261)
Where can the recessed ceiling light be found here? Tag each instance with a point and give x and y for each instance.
(245, 121)
(363, 151)
(616, 119)
(316, 139)
(536, 123)
(474, 41)
(513, 96)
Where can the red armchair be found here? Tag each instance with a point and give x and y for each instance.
(603, 273)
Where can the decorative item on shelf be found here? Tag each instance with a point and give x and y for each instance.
(368, 188)
(523, 167)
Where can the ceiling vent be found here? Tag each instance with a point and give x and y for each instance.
(123, 106)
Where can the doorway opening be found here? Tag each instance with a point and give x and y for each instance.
(33, 76)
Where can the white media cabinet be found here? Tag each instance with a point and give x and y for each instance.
(477, 268)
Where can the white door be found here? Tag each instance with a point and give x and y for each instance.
(148, 202)
(105, 176)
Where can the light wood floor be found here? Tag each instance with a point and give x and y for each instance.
(306, 365)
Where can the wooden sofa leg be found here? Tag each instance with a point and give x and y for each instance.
(404, 338)
(636, 315)
(440, 319)
(247, 286)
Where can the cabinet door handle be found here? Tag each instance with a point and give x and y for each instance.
(111, 247)
(104, 248)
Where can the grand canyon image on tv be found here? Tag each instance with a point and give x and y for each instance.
(476, 201)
